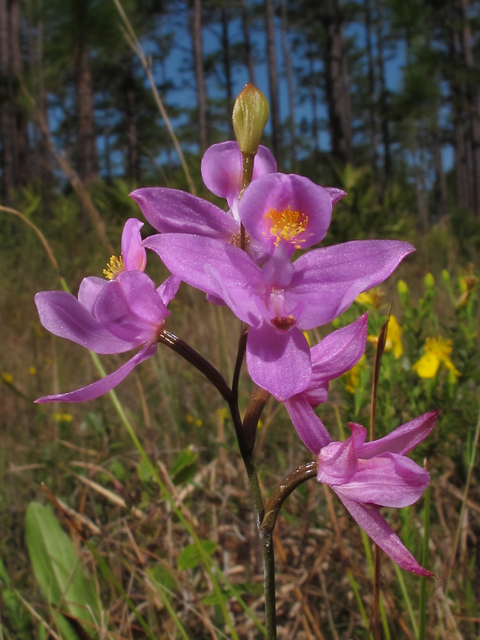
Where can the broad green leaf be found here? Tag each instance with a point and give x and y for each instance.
(190, 556)
(56, 565)
(185, 466)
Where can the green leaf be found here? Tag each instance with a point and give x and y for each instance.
(185, 466)
(56, 565)
(191, 556)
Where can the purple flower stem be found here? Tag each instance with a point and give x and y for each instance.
(284, 489)
(198, 361)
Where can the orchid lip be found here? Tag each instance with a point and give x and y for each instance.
(284, 323)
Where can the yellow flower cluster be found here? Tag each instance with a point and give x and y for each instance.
(437, 354)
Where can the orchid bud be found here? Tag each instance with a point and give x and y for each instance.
(250, 115)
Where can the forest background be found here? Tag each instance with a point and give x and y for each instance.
(378, 97)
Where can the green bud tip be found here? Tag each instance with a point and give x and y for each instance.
(429, 281)
(250, 115)
(445, 275)
(402, 287)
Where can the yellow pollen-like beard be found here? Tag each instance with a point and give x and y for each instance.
(286, 225)
(115, 266)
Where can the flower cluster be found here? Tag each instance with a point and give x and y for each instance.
(244, 258)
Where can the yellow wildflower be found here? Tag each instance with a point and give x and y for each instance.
(372, 298)
(437, 354)
(32, 371)
(7, 378)
(394, 338)
(62, 417)
(353, 376)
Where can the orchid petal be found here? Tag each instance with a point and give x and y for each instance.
(337, 463)
(309, 427)
(174, 211)
(279, 192)
(369, 518)
(89, 290)
(131, 308)
(329, 279)
(214, 267)
(98, 388)
(335, 194)
(168, 289)
(389, 480)
(63, 315)
(403, 439)
(338, 352)
(133, 253)
(279, 362)
(222, 168)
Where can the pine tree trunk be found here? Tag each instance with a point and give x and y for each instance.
(472, 104)
(86, 143)
(247, 46)
(21, 149)
(7, 120)
(227, 70)
(315, 122)
(195, 19)
(290, 84)
(273, 82)
(387, 157)
(440, 189)
(371, 87)
(336, 84)
(133, 167)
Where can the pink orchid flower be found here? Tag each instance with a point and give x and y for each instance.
(115, 315)
(174, 211)
(283, 299)
(369, 475)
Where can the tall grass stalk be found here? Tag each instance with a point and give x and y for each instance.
(406, 597)
(422, 605)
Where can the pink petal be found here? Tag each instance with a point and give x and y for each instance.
(338, 352)
(279, 192)
(133, 253)
(329, 279)
(389, 480)
(219, 269)
(309, 427)
(102, 386)
(222, 168)
(175, 211)
(279, 362)
(403, 439)
(64, 316)
(131, 308)
(337, 463)
(369, 518)
(168, 289)
(89, 290)
(335, 194)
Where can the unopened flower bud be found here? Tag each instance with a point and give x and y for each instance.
(429, 281)
(250, 115)
(445, 276)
